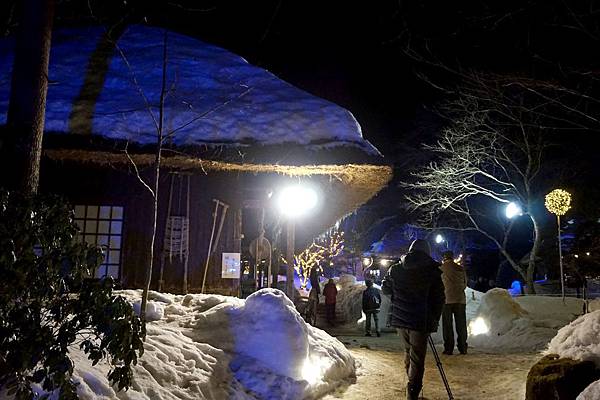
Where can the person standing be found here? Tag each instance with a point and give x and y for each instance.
(330, 293)
(417, 291)
(454, 277)
(371, 302)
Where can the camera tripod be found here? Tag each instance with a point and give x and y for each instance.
(440, 367)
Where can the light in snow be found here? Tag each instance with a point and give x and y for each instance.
(314, 368)
(478, 327)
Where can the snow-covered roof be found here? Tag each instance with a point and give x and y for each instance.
(213, 95)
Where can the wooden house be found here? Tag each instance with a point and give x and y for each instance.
(234, 134)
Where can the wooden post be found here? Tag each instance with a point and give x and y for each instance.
(560, 262)
(291, 233)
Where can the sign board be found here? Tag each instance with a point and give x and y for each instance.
(230, 266)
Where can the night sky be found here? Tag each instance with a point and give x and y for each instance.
(355, 53)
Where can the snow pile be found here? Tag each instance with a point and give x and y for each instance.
(592, 392)
(348, 306)
(580, 340)
(217, 347)
(215, 97)
(528, 323)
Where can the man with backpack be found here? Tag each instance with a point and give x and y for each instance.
(417, 291)
(371, 302)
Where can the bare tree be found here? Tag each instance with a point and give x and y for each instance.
(163, 137)
(490, 155)
(29, 86)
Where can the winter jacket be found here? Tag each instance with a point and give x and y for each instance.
(330, 293)
(454, 277)
(417, 291)
(368, 305)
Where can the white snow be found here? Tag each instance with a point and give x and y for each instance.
(496, 321)
(215, 97)
(217, 347)
(528, 323)
(580, 340)
(592, 392)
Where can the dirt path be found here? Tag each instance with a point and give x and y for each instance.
(475, 376)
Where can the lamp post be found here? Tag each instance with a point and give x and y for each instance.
(293, 202)
(558, 202)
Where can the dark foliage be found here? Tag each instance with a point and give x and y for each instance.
(49, 303)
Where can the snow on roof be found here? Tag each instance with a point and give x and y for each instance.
(213, 96)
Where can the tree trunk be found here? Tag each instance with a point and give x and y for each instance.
(29, 86)
(532, 256)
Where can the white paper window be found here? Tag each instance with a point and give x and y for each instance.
(102, 226)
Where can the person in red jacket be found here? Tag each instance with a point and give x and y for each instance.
(330, 293)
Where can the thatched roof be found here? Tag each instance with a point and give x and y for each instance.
(221, 113)
(356, 183)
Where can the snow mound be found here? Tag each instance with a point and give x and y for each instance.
(503, 325)
(592, 392)
(580, 340)
(220, 347)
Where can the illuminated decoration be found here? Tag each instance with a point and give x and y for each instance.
(558, 202)
(478, 327)
(384, 262)
(458, 259)
(439, 238)
(513, 210)
(294, 201)
(367, 261)
(322, 251)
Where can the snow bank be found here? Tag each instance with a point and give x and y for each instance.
(592, 392)
(580, 340)
(348, 305)
(217, 347)
(528, 323)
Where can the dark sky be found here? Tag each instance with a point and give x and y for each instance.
(355, 52)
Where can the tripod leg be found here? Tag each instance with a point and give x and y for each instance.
(440, 368)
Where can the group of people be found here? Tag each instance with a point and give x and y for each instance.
(422, 290)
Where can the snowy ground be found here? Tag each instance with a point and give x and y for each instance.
(218, 347)
(380, 374)
(498, 323)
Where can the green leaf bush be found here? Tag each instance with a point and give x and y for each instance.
(50, 302)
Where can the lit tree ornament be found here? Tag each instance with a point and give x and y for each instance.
(558, 202)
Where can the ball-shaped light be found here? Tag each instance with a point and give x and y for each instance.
(558, 201)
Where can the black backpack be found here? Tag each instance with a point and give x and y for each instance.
(372, 300)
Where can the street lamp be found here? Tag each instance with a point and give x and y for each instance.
(439, 238)
(558, 202)
(513, 210)
(293, 202)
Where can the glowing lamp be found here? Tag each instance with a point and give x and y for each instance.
(439, 238)
(513, 210)
(294, 201)
(558, 202)
(385, 262)
(367, 261)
